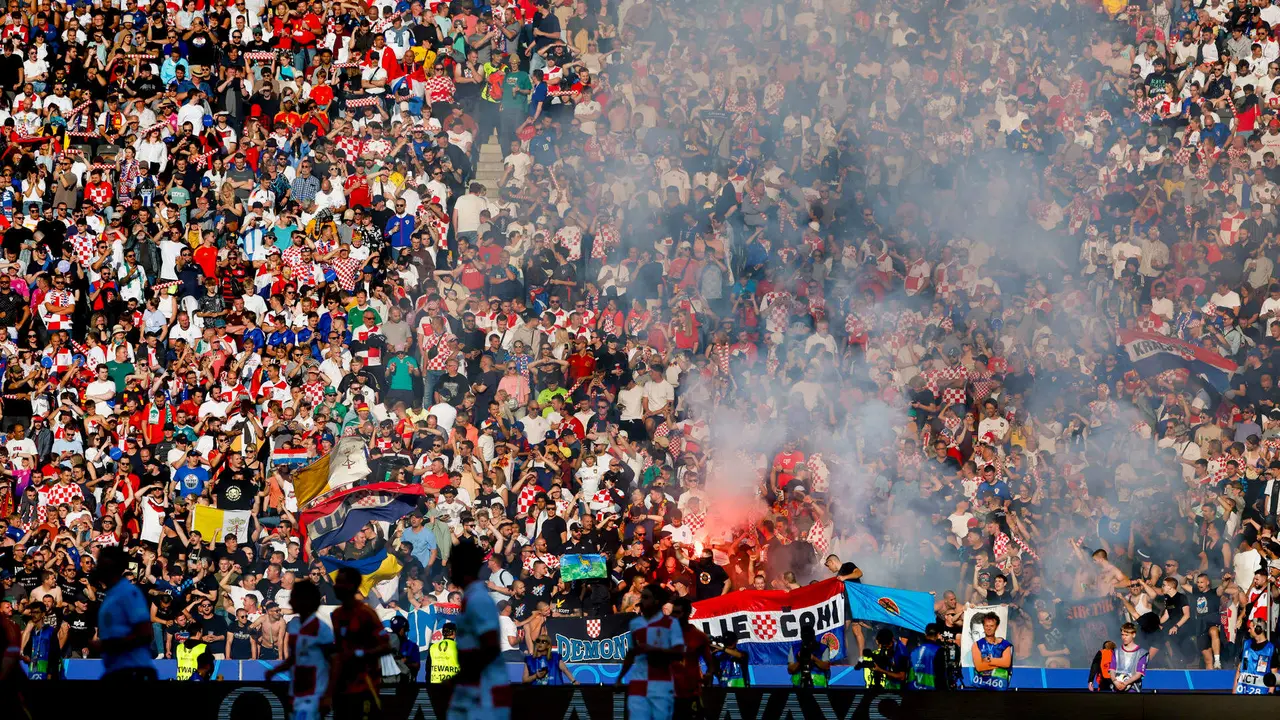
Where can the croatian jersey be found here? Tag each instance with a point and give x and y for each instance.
(491, 698)
(310, 642)
(661, 632)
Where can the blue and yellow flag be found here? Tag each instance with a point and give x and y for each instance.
(375, 568)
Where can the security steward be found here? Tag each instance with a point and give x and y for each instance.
(928, 664)
(442, 656)
(188, 652)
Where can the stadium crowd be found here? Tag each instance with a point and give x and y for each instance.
(862, 263)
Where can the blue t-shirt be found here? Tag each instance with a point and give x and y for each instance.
(423, 540)
(122, 610)
(539, 96)
(550, 663)
(543, 148)
(190, 480)
(1000, 490)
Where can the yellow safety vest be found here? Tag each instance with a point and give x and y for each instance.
(444, 661)
(187, 658)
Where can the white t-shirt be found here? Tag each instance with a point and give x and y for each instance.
(25, 446)
(535, 428)
(660, 394)
(238, 594)
(502, 578)
(506, 631)
(467, 210)
(589, 477)
(1269, 305)
(99, 388)
(519, 163)
(445, 414)
(630, 401)
(169, 252)
(997, 426)
(152, 520)
(1230, 300)
(682, 535)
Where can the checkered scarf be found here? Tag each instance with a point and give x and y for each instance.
(696, 521)
(525, 500)
(820, 537)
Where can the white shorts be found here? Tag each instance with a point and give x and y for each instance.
(650, 707)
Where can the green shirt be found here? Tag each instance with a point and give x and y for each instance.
(516, 80)
(398, 372)
(545, 396)
(118, 372)
(355, 317)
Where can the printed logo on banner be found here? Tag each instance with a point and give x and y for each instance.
(764, 627)
(593, 628)
(889, 606)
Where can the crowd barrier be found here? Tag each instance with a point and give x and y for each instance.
(763, 675)
(257, 701)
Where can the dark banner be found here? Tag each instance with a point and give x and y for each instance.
(596, 640)
(1093, 622)
(244, 701)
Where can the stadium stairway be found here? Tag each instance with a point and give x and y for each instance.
(489, 167)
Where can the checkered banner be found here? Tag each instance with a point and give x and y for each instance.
(768, 623)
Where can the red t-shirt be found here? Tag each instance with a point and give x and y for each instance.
(207, 259)
(787, 462)
(471, 278)
(581, 366)
(435, 482)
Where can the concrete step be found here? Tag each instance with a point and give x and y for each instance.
(489, 168)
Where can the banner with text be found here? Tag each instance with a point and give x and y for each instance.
(767, 623)
(591, 640)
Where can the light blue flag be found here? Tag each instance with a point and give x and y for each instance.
(891, 606)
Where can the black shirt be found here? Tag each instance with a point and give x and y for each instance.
(297, 567)
(452, 388)
(241, 635)
(10, 67)
(215, 625)
(81, 627)
(552, 530)
(1205, 607)
(548, 23)
(236, 489)
(710, 578)
(1174, 606)
(538, 590)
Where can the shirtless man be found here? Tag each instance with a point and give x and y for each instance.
(951, 611)
(1106, 578)
(48, 586)
(271, 642)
